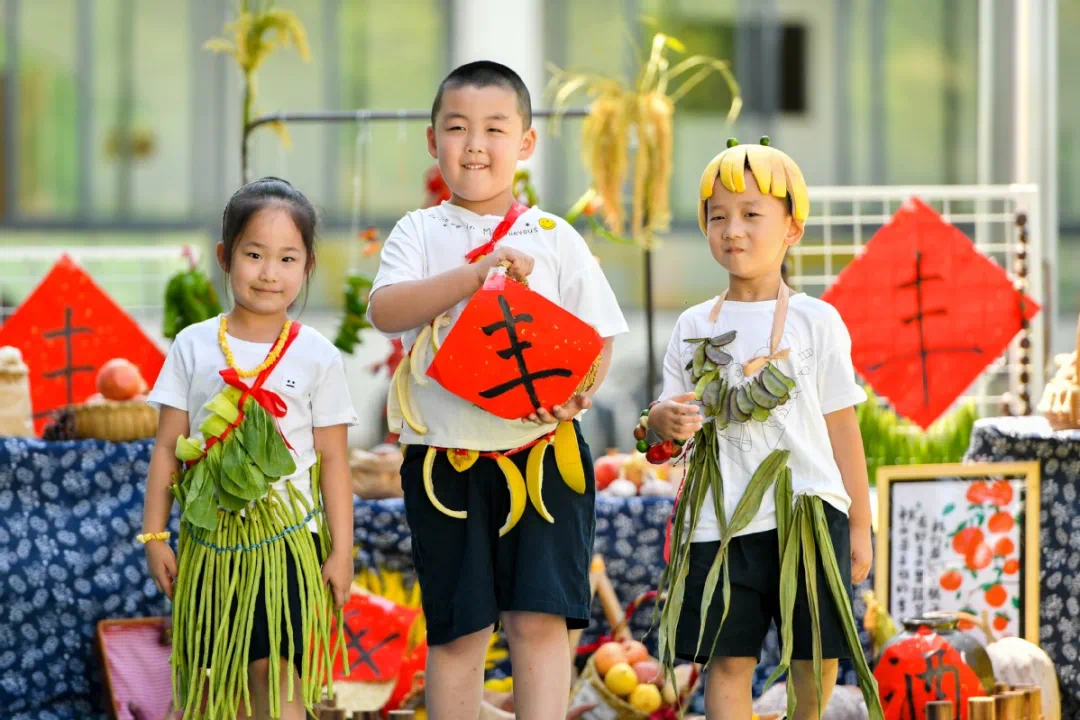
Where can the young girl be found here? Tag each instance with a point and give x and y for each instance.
(254, 411)
(776, 475)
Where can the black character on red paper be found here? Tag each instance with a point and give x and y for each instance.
(69, 369)
(517, 351)
(920, 315)
(364, 656)
(936, 669)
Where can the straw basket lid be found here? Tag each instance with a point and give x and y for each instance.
(12, 366)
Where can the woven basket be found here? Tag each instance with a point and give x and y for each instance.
(115, 421)
(376, 475)
(1061, 397)
(590, 688)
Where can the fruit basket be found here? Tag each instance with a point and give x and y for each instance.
(115, 421)
(625, 683)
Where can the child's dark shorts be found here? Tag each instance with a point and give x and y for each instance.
(755, 598)
(469, 575)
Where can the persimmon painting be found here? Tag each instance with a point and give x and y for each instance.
(956, 537)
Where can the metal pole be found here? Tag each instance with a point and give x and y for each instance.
(984, 127)
(1049, 194)
(125, 111)
(1022, 81)
(344, 116)
(878, 118)
(842, 10)
(11, 110)
(84, 44)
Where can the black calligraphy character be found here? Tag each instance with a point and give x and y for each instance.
(920, 315)
(936, 669)
(517, 351)
(69, 369)
(364, 656)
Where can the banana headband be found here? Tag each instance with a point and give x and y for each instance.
(775, 172)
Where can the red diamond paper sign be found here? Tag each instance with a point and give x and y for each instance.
(513, 350)
(376, 639)
(927, 312)
(67, 328)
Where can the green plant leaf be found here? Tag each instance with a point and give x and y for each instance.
(948, 508)
(264, 443)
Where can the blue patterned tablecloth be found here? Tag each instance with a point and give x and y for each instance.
(1030, 438)
(68, 515)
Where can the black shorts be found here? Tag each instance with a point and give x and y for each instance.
(755, 598)
(469, 575)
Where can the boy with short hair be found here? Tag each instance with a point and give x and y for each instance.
(533, 578)
(761, 378)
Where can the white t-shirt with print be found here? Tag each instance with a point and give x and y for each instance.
(820, 365)
(428, 242)
(310, 378)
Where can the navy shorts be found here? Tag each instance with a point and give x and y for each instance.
(469, 575)
(755, 598)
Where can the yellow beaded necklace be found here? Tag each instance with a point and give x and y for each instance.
(271, 357)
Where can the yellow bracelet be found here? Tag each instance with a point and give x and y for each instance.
(153, 536)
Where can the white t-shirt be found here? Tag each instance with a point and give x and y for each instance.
(310, 378)
(820, 364)
(428, 242)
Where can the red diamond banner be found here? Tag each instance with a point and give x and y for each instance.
(513, 350)
(927, 312)
(67, 328)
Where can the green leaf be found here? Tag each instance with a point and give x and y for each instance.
(1016, 603)
(201, 510)
(213, 426)
(949, 508)
(958, 595)
(264, 443)
(187, 449)
(224, 407)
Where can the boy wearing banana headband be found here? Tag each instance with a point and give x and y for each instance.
(773, 519)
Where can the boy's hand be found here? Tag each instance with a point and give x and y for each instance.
(337, 573)
(675, 419)
(561, 413)
(161, 563)
(862, 553)
(521, 265)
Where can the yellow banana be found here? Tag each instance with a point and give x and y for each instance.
(429, 463)
(408, 412)
(436, 325)
(417, 355)
(568, 457)
(462, 462)
(534, 479)
(516, 485)
(394, 417)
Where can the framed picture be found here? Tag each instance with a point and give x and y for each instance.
(960, 537)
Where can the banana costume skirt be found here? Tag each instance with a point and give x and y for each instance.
(471, 568)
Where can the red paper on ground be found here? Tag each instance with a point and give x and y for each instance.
(376, 638)
(67, 328)
(513, 350)
(927, 312)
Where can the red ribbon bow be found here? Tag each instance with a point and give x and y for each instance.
(516, 211)
(268, 399)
